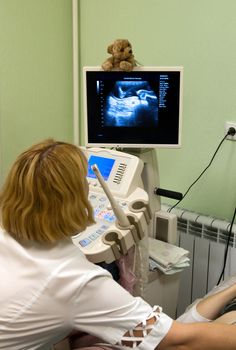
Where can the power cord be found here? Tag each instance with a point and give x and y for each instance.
(231, 132)
(227, 247)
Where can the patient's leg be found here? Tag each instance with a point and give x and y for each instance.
(212, 305)
(229, 317)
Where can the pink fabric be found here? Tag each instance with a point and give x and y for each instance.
(126, 267)
(83, 341)
(95, 348)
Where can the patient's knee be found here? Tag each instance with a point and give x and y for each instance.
(229, 317)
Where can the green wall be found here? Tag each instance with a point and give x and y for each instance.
(200, 35)
(36, 79)
(35, 74)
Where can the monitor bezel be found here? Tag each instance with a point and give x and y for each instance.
(134, 145)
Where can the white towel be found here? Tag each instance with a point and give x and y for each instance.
(167, 257)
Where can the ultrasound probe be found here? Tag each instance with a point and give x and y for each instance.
(119, 213)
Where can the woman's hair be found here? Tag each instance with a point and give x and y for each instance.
(45, 196)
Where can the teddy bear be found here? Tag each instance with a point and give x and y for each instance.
(122, 57)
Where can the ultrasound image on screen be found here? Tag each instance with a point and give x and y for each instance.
(133, 108)
(131, 103)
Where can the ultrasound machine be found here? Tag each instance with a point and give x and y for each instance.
(127, 116)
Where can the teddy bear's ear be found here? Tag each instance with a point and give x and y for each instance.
(110, 48)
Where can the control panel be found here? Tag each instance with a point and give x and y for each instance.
(115, 189)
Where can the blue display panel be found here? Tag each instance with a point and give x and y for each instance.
(105, 166)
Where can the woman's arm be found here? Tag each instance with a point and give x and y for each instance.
(199, 336)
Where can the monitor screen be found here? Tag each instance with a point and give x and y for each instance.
(141, 108)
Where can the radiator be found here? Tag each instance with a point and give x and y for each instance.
(205, 238)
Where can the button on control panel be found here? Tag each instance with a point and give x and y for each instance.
(103, 215)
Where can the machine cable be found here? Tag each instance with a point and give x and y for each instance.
(227, 247)
(198, 178)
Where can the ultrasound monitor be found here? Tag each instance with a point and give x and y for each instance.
(137, 109)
